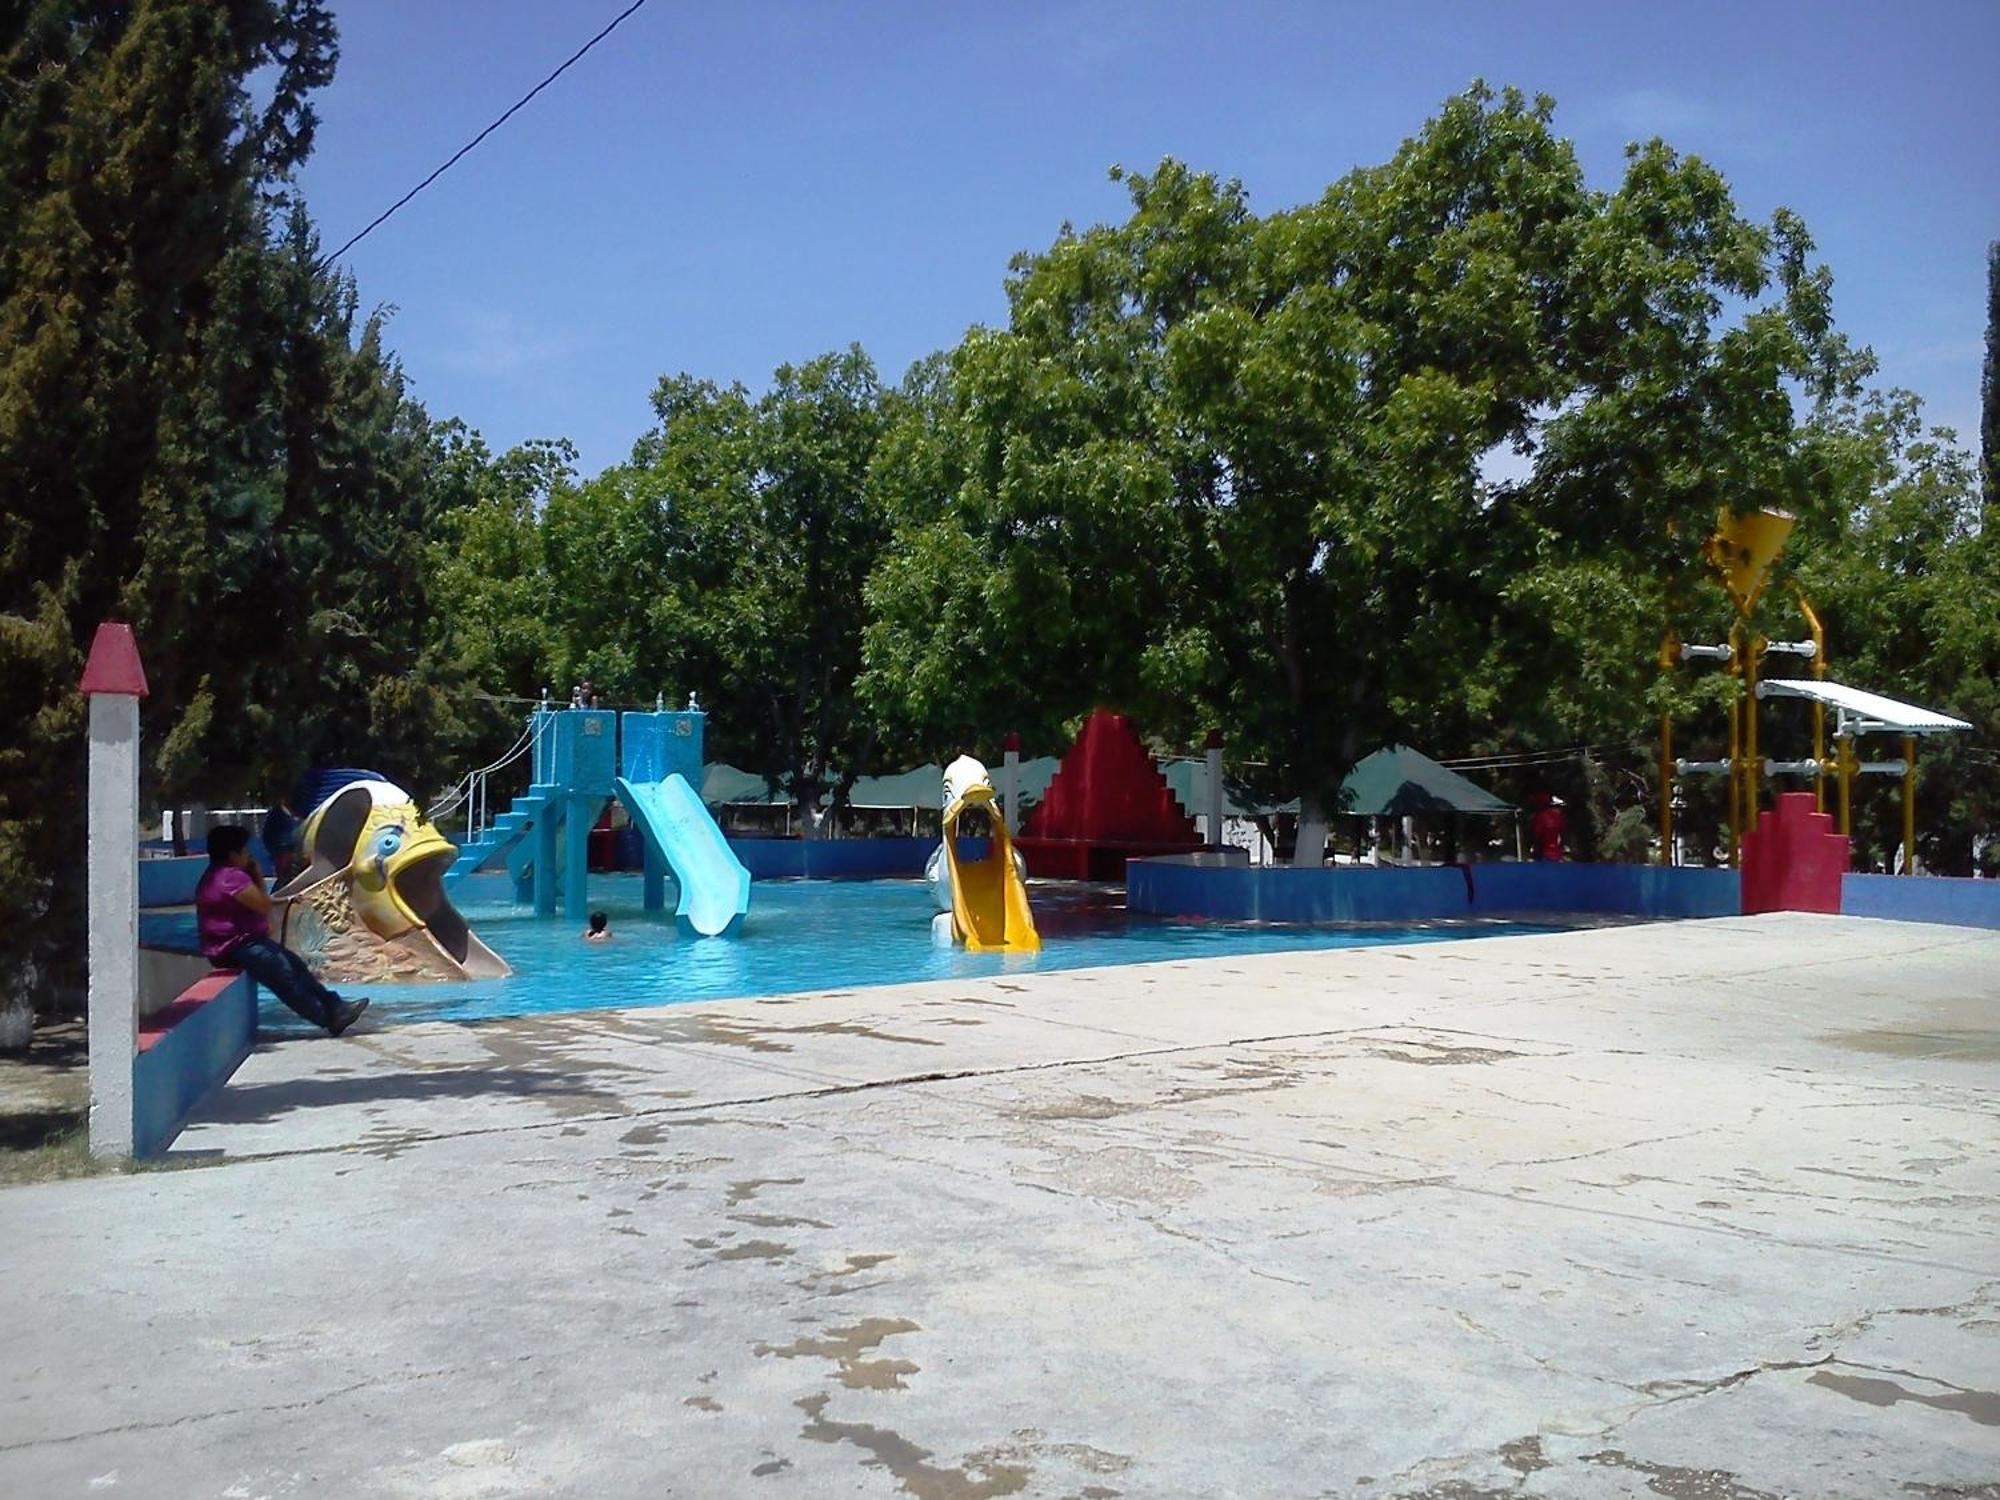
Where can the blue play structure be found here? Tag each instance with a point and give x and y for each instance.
(544, 836)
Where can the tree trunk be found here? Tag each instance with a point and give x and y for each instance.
(1310, 852)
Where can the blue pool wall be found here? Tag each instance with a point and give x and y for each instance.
(1277, 893)
(842, 859)
(1946, 899)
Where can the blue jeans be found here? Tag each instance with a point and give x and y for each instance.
(285, 975)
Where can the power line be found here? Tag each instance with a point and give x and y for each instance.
(512, 109)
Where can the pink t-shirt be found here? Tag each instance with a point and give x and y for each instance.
(220, 919)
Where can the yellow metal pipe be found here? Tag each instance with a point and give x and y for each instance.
(1753, 768)
(1844, 760)
(1909, 804)
(1819, 709)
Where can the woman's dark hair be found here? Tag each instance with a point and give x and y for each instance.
(598, 921)
(226, 841)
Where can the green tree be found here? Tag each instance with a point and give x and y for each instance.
(1230, 468)
(135, 161)
(1904, 572)
(198, 434)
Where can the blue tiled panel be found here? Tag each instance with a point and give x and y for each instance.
(1923, 898)
(656, 746)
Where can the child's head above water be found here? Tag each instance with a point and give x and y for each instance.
(600, 925)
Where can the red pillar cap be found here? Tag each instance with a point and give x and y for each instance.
(1013, 743)
(114, 666)
(1215, 739)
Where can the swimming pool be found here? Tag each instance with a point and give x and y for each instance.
(808, 935)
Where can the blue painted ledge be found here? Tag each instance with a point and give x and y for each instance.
(1267, 893)
(1922, 898)
(187, 1050)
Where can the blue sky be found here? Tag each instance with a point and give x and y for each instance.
(723, 188)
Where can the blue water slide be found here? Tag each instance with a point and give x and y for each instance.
(714, 886)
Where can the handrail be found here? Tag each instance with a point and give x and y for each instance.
(470, 791)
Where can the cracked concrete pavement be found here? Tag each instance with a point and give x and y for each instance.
(1698, 1209)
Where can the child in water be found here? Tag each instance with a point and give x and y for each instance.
(600, 928)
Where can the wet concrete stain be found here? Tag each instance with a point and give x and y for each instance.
(743, 1192)
(850, 1028)
(907, 1462)
(845, 1348)
(1433, 1054)
(817, 1282)
(703, 1403)
(1681, 1484)
(766, 1250)
(1524, 1456)
(778, 1221)
(1982, 1407)
(1951, 1045)
(766, 1470)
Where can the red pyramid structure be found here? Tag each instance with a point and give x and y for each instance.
(1793, 860)
(1106, 803)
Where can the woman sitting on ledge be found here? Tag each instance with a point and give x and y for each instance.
(232, 915)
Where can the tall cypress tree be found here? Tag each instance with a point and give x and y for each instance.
(195, 436)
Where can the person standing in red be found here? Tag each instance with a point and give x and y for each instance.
(233, 919)
(1550, 828)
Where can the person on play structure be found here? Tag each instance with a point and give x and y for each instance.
(232, 917)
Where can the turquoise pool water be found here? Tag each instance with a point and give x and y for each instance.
(808, 935)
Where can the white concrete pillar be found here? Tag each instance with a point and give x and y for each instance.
(114, 682)
(1215, 788)
(1010, 782)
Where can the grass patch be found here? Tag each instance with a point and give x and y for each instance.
(47, 1146)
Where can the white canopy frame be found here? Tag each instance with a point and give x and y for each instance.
(1858, 712)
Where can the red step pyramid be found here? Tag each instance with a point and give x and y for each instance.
(1107, 801)
(1793, 860)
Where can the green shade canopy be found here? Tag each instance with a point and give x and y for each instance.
(1399, 782)
(722, 782)
(1188, 780)
(921, 787)
(1396, 782)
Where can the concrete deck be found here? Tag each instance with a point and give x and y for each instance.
(1708, 1209)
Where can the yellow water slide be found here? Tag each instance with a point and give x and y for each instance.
(989, 900)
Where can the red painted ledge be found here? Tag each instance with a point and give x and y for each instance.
(154, 1028)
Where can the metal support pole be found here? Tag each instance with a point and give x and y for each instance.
(1010, 783)
(1215, 789)
(1910, 804)
(1735, 748)
(1669, 654)
(1666, 789)
(1819, 709)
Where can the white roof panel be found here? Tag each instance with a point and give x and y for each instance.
(1871, 710)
